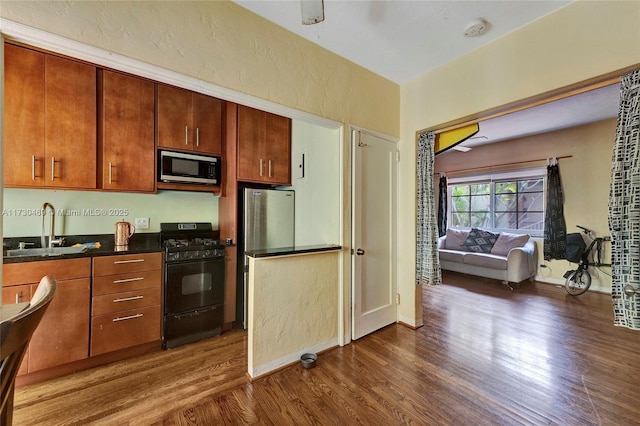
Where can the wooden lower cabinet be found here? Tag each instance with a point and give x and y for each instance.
(127, 301)
(117, 305)
(18, 294)
(63, 333)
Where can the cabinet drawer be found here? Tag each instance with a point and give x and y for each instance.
(16, 294)
(125, 329)
(116, 302)
(109, 265)
(32, 272)
(127, 282)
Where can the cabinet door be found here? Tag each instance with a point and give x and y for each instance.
(251, 138)
(18, 294)
(128, 133)
(63, 333)
(278, 145)
(264, 147)
(174, 117)
(23, 116)
(70, 124)
(207, 120)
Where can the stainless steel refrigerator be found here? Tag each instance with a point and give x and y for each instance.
(268, 223)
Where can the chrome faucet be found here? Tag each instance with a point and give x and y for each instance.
(52, 239)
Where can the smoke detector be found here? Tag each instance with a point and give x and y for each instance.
(476, 27)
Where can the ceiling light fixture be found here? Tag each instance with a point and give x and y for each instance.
(476, 27)
(312, 11)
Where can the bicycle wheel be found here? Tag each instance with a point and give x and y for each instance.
(578, 282)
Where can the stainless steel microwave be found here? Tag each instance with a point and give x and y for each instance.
(181, 167)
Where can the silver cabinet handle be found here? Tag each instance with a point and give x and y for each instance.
(127, 299)
(33, 167)
(53, 168)
(261, 167)
(360, 252)
(186, 135)
(127, 318)
(197, 136)
(128, 280)
(17, 298)
(269, 168)
(119, 262)
(110, 174)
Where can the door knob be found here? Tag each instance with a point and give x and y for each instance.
(630, 291)
(359, 252)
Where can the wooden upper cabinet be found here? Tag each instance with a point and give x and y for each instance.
(264, 147)
(50, 121)
(189, 121)
(23, 117)
(128, 145)
(70, 129)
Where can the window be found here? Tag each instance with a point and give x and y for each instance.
(511, 201)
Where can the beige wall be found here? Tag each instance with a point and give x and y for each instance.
(582, 40)
(585, 179)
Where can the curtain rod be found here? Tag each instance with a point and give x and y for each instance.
(497, 166)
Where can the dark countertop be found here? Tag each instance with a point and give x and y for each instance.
(284, 251)
(139, 243)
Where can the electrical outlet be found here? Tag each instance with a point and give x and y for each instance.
(142, 223)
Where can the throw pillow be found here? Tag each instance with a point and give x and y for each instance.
(480, 241)
(455, 239)
(506, 242)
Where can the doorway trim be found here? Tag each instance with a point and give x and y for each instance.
(533, 101)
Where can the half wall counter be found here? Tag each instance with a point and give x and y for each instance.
(305, 280)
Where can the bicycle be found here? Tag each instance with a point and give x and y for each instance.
(578, 280)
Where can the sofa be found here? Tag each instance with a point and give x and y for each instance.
(510, 258)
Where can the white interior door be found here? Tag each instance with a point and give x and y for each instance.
(374, 233)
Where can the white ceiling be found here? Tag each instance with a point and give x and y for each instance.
(588, 107)
(401, 40)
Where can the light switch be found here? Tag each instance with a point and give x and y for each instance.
(299, 168)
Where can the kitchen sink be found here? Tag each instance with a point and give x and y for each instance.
(53, 251)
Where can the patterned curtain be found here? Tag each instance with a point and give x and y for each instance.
(555, 228)
(427, 261)
(442, 206)
(624, 206)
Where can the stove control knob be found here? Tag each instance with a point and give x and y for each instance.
(207, 253)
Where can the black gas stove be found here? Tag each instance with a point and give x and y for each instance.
(194, 282)
(188, 241)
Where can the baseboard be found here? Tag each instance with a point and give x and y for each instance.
(270, 367)
(410, 322)
(555, 281)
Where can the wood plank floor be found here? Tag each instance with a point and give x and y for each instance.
(486, 356)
